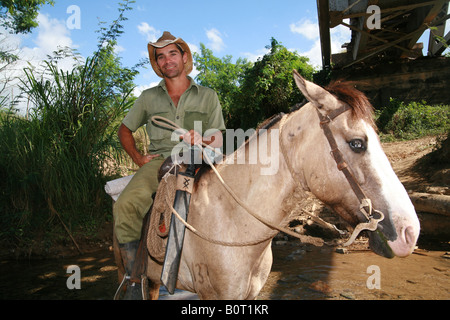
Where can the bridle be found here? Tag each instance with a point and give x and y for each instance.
(365, 204)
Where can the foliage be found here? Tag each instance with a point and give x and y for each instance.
(20, 15)
(413, 120)
(250, 93)
(221, 75)
(268, 87)
(55, 161)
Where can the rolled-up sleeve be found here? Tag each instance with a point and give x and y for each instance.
(137, 116)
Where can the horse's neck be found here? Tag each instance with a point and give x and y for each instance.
(263, 181)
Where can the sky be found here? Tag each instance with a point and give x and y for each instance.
(238, 28)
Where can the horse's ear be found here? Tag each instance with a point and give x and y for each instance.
(314, 93)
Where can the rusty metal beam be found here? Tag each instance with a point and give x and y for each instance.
(404, 22)
(386, 46)
(436, 48)
(387, 10)
(370, 35)
(324, 29)
(428, 20)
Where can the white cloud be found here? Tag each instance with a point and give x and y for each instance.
(254, 56)
(118, 49)
(306, 28)
(194, 48)
(216, 43)
(139, 89)
(338, 36)
(51, 35)
(150, 33)
(314, 54)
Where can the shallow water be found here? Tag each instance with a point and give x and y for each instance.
(298, 273)
(321, 273)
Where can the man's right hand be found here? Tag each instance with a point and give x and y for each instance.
(127, 140)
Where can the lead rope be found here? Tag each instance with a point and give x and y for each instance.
(173, 126)
(223, 243)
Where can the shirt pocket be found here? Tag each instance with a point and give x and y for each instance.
(197, 120)
(157, 132)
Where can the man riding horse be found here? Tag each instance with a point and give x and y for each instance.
(179, 99)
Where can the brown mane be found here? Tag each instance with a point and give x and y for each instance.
(346, 92)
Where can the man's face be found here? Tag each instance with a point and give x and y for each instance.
(170, 61)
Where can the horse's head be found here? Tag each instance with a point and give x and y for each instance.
(349, 117)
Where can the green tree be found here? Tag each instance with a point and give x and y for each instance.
(222, 75)
(268, 87)
(20, 15)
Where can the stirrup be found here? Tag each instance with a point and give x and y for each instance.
(144, 287)
(125, 278)
(143, 284)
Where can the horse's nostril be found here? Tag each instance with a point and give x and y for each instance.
(409, 235)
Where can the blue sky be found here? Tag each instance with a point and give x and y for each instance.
(237, 28)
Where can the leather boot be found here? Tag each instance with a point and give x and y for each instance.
(128, 252)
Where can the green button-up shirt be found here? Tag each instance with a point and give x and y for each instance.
(199, 109)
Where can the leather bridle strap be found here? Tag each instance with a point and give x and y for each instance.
(365, 206)
(338, 157)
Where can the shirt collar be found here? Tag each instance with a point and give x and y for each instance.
(162, 84)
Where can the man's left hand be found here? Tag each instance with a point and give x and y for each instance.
(192, 138)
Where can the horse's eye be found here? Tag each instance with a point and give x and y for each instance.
(358, 145)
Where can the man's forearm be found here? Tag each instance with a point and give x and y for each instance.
(127, 141)
(129, 145)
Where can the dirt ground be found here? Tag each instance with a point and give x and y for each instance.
(299, 272)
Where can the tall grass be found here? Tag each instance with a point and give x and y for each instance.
(53, 162)
(57, 160)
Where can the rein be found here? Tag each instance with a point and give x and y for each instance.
(163, 122)
(365, 203)
(365, 207)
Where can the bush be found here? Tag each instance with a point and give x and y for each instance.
(413, 120)
(268, 87)
(53, 162)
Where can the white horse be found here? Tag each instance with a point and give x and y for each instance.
(216, 271)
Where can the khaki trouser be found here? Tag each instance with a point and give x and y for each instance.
(135, 201)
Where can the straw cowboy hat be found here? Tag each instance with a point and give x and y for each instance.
(164, 41)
